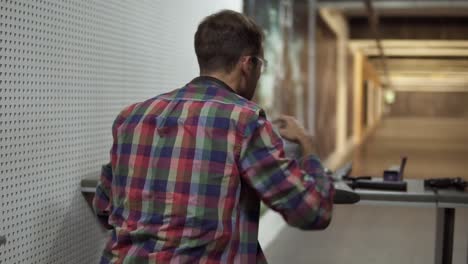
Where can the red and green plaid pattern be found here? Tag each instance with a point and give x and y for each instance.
(188, 169)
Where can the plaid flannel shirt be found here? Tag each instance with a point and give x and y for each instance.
(188, 169)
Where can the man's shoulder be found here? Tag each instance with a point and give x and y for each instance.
(142, 105)
(250, 106)
(139, 108)
(247, 110)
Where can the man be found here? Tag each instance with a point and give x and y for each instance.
(189, 168)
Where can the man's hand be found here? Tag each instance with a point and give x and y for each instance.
(290, 129)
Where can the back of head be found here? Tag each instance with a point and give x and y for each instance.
(222, 38)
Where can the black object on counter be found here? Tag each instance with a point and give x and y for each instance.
(379, 185)
(445, 183)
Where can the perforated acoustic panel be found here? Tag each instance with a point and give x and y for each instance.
(66, 69)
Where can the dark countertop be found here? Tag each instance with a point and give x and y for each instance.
(344, 195)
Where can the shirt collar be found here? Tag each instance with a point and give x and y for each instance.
(204, 79)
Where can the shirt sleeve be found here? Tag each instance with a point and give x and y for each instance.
(102, 199)
(298, 189)
(102, 202)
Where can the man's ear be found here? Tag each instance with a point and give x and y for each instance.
(246, 64)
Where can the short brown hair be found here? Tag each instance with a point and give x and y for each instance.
(222, 38)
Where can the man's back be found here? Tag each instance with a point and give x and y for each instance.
(188, 169)
(176, 186)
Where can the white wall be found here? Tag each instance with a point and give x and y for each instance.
(66, 69)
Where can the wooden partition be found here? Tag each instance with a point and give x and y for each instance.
(326, 85)
(366, 82)
(350, 101)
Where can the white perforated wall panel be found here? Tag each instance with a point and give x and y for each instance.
(66, 69)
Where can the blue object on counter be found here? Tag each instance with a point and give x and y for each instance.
(391, 175)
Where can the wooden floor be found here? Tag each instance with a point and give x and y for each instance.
(434, 147)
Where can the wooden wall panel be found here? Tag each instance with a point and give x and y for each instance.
(301, 32)
(350, 101)
(325, 107)
(427, 104)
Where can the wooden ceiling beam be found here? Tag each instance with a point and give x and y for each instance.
(400, 8)
(374, 25)
(419, 52)
(425, 62)
(430, 88)
(396, 43)
(422, 73)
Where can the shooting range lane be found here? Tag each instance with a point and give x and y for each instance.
(435, 148)
(418, 226)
